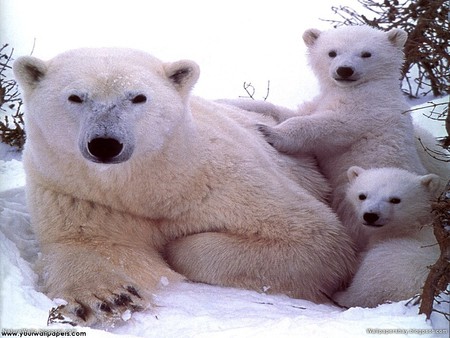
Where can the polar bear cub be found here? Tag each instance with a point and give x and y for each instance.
(359, 117)
(394, 209)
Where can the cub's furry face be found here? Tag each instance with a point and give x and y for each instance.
(349, 56)
(390, 199)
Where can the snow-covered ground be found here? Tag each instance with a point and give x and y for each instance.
(187, 310)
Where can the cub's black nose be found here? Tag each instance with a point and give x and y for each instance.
(105, 149)
(370, 217)
(345, 72)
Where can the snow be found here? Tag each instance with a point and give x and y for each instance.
(183, 310)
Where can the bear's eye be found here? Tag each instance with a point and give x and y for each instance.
(395, 200)
(141, 98)
(366, 54)
(362, 197)
(332, 54)
(75, 99)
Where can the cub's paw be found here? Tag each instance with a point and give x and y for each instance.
(101, 308)
(274, 138)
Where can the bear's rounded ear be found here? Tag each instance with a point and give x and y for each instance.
(353, 173)
(397, 37)
(310, 36)
(183, 74)
(29, 71)
(430, 182)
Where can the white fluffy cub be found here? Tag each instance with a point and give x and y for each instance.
(394, 208)
(359, 116)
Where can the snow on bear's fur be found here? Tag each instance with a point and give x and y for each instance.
(133, 184)
(393, 207)
(359, 117)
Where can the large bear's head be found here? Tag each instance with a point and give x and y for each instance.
(354, 55)
(104, 104)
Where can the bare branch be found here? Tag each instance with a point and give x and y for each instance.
(439, 276)
(250, 90)
(12, 127)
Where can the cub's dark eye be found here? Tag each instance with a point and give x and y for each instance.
(139, 99)
(362, 197)
(75, 99)
(332, 54)
(395, 200)
(366, 55)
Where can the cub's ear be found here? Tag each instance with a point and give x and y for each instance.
(397, 37)
(310, 36)
(183, 74)
(353, 173)
(29, 71)
(430, 182)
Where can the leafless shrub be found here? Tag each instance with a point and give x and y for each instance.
(12, 124)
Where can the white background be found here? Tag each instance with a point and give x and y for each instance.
(233, 41)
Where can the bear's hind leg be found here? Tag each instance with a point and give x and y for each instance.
(262, 264)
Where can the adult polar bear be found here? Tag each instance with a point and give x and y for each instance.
(126, 173)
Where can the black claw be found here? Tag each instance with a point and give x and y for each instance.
(133, 291)
(262, 129)
(122, 300)
(105, 307)
(82, 312)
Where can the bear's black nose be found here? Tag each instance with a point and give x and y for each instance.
(370, 217)
(345, 72)
(105, 149)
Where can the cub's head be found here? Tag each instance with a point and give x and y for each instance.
(352, 55)
(103, 105)
(390, 199)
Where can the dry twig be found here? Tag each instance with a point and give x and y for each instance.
(438, 279)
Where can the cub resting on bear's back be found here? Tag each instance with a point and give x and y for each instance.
(394, 210)
(127, 174)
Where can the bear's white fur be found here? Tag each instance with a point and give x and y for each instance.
(130, 182)
(359, 117)
(394, 209)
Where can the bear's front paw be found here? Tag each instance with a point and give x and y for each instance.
(274, 138)
(99, 308)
